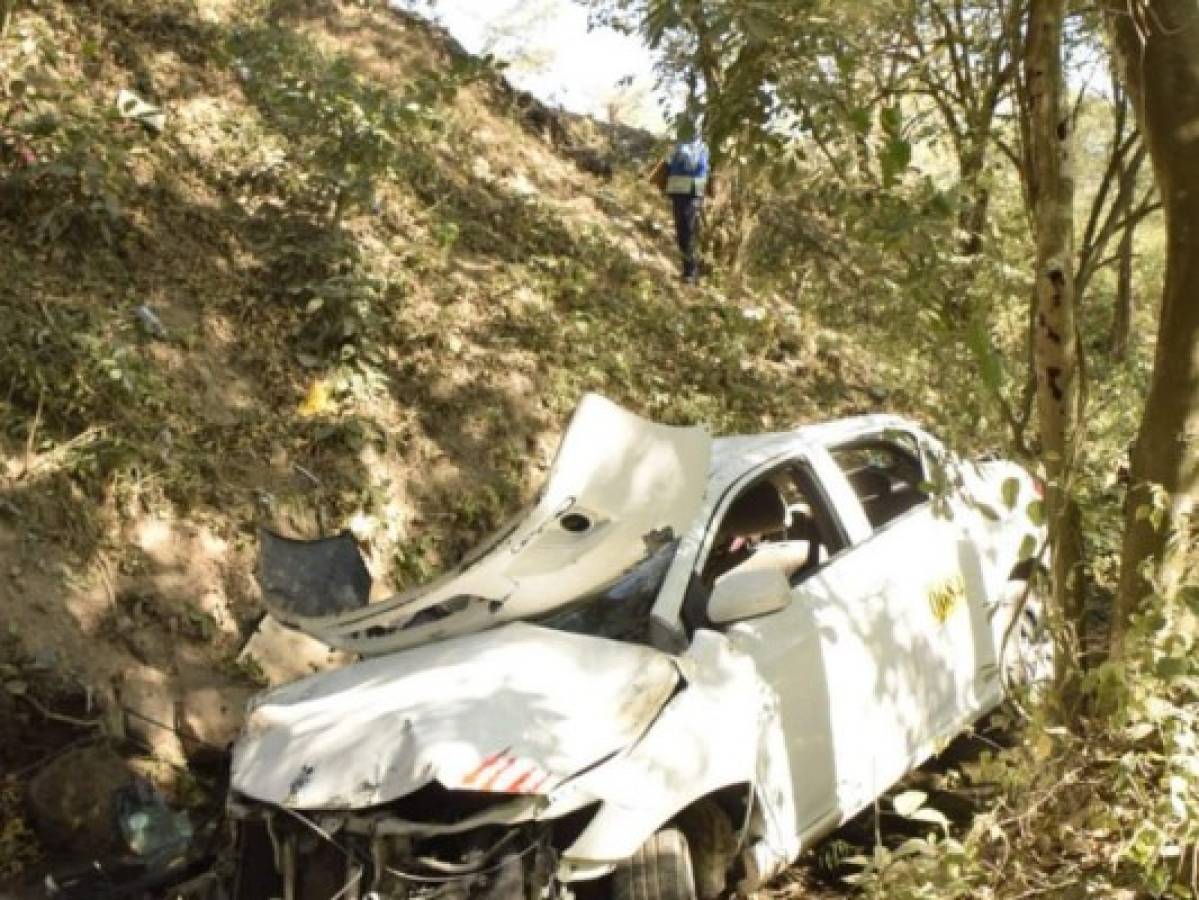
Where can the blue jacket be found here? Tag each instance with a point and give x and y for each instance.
(688, 168)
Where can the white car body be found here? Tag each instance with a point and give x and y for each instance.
(887, 646)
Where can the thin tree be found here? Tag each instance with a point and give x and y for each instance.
(1055, 342)
(1158, 45)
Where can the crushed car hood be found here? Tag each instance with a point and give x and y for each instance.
(513, 711)
(620, 488)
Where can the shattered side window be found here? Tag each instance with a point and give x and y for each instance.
(621, 611)
(886, 473)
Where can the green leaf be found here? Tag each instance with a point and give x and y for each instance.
(908, 802)
(896, 156)
(757, 29)
(1036, 512)
(1028, 547)
(988, 511)
(1010, 491)
(890, 120)
(859, 120)
(940, 204)
(1171, 668)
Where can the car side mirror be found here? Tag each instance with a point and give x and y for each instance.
(741, 595)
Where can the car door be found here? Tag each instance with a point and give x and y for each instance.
(910, 578)
(810, 662)
(788, 652)
(991, 530)
(862, 682)
(965, 605)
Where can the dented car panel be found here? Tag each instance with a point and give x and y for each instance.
(515, 711)
(619, 488)
(511, 760)
(722, 730)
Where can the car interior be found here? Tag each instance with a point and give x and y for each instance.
(783, 511)
(885, 476)
(777, 509)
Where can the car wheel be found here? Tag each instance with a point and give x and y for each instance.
(1028, 657)
(660, 870)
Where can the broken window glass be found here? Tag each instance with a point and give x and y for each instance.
(620, 611)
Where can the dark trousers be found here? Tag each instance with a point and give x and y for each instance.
(686, 228)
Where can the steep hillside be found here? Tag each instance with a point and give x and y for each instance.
(353, 281)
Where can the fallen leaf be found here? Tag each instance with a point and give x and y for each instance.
(316, 401)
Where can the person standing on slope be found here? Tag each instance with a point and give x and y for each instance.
(687, 178)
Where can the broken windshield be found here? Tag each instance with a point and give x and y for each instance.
(620, 611)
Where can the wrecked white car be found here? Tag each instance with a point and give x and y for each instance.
(691, 659)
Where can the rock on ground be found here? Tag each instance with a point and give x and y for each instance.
(71, 800)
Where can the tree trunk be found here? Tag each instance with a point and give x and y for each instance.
(1158, 45)
(1117, 340)
(1055, 345)
(972, 223)
(744, 212)
(976, 205)
(7, 8)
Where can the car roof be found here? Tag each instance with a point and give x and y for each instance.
(734, 455)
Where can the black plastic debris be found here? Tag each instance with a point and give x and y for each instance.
(312, 578)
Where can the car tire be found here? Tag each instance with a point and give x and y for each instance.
(660, 870)
(1028, 657)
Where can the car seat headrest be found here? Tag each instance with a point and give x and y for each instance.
(760, 510)
(870, 483)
